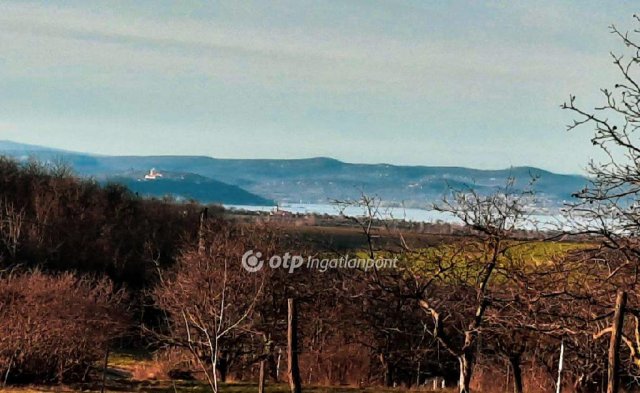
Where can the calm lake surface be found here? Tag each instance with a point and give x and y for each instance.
(396, 213)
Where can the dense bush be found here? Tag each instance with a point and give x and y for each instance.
(55, 327)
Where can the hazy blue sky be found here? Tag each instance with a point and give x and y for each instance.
(408, 82)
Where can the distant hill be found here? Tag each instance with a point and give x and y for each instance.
(316, 180)
(182, 186)
(188, 186)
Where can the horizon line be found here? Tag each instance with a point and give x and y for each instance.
(63, 150)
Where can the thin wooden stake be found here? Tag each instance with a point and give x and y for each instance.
(261, 377)
(613, 379)
(292, 348)
(559, 383)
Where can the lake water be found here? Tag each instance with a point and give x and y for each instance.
(397, 213)
(415, 215)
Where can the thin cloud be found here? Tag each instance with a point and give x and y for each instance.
(379, 69)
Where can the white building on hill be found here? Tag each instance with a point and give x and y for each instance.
(153, 174)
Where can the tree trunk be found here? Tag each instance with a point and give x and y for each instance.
(614, 343)
(292, 349)
(223, 368)
(388, 376)
(272, 367)
(466, 369)
(578, 385)
(104, 370)
(386, 369)
(517, 373)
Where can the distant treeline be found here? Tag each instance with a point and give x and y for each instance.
(56, 221)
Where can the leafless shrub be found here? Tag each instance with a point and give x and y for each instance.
(53, 328)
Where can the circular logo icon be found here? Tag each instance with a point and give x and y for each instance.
(251, 261)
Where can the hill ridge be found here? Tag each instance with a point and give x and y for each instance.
(320, 179)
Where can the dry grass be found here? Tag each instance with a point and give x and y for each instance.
(140, 372)
(194, 387)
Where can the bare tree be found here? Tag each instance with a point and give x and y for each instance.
(457, 284)
(209, 299)
(608, 206)
(453, 282)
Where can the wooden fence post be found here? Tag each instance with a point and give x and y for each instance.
(261, 377)
(292, 348)
(614, 343)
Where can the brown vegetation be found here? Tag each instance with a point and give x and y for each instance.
(488, 306)
(55, 327)
(451, 310)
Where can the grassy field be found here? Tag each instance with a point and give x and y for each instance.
(187, 386)
(130, 372)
